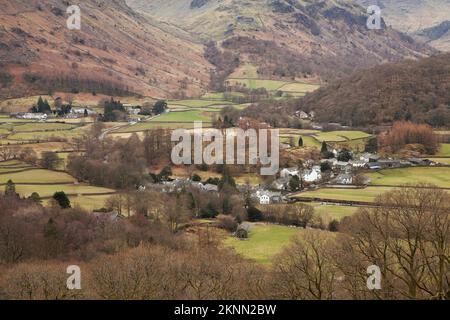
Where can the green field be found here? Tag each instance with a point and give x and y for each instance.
(197, 103)
(341, 136)
(331, 212)
(183, 116)
(394, 177)
(45, 135)
(362, 195)
(307, 140)
(270, 85)
(214, 96)
(265, 242)
(89, 203)
(145, 126)
(297, 87)
(69, 189)
(43, 126)
(445, 150)
(37, 176)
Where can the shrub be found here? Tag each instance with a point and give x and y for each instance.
(254, 214)
(227, 222)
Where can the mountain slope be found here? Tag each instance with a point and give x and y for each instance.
(423, 19)
(117, 51)
(411, 90)
(287, 38)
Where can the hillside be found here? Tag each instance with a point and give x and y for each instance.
(117, 51)
(286, 39)
(411, 90)
(425, 20)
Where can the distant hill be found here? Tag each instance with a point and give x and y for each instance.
(117, 51)
(411, 90)
(286, 38)
(425, 20)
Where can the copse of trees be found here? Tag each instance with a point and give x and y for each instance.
(113, 110)
(407, 136)
(42, 106)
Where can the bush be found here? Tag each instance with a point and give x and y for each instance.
(333, 226)
(196, 178)
(254, 214)
(227, 222)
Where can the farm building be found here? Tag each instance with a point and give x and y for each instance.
(31, 116)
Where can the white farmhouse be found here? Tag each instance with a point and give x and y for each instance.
(264, 199)
(289, 172)
(32, 116)
(313, 175)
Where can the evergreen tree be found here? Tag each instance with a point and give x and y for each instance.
(294, 183)
(10, 188)
(160, 107)
(300, 142)
(227, 179)
(62, 199)
(324, 148)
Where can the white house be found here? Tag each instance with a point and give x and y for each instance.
(81, 110)
(289, 172)
(357, 163)
(345, 179)
(264, 199)
(267, 197)
(313, 175)
(32, 116)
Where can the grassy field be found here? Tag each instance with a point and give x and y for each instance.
(265, 242)
(445, 150)
(441, 160)
(89, 203)
(341, 136)
(45, 135)
(70, 189)
(183, 116)
(43, 126)
(331, 212)
(299, 87)
(197, 103)
(37, 176)
(394, 177)
(145, 126)
(307, 140)
(363, 195)
(270, 85)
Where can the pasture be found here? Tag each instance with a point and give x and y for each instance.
(43, 126)
(445, 150)
(197, 103)
(439, 176)
(333, 212)
(40, 176)
(298, 87)
(183, 116)
(269, 85)
(264, 243)
(368, 194)
(47, 191)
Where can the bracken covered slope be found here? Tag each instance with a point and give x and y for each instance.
(117, 51)
(287, 38)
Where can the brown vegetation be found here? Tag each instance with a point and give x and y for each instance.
(407, 137)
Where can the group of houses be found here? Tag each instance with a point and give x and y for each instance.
(179, 185)
(31, 116)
